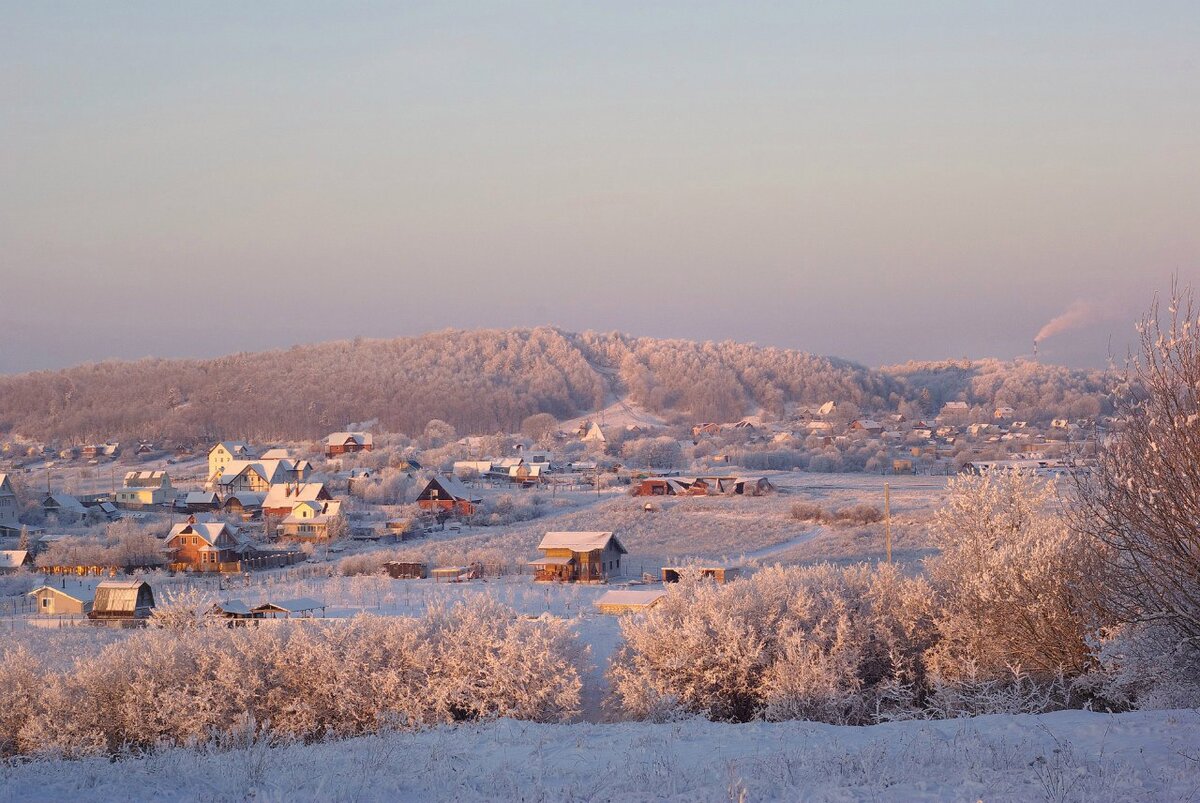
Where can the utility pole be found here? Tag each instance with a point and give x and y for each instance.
(887, 519)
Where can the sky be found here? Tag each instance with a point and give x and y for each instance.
(878, 181)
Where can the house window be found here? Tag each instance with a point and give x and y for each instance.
(45, 602)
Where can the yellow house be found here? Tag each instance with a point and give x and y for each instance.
(224, 452)
(146, 489)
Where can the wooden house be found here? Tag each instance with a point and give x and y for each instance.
(588, 557)
(202, 546)
(339, 443)
(449, 494)
(201, 502)
(52, 601)
(623, 601)
(122, 602)
(64, 507)
(254, 475)
(247, 504)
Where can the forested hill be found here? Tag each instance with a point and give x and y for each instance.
(481, 381)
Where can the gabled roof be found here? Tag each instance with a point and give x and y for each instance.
(341, 438)
(456, 488)
(288, 494)
(117, 595)
(201, 498)
(13, 558)
(210, 531)
(57, 591)
(580, 541)
(234, 447)
(146, 479)
(64, 502)
(298, 605)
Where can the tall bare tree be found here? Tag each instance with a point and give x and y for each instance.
(1141, 496)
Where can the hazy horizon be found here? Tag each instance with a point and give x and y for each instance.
(876, 183)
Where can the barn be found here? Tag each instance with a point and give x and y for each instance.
(449, 494)
(122, 602)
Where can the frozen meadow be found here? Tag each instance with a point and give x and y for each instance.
(1064, 756)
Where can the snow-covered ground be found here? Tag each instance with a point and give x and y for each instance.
(1065, 756)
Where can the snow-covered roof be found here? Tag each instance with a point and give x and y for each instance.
(288, 494)
(559, 561)
(146, 479)
(64, 502)
(210, 531)
(579, 541)
(13, 558)
(340, 438)
(297, 605)
(200, 497)
(57, 591)
(641, 598)
(456, 488)
(234, 606)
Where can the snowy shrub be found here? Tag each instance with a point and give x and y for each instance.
(298, 680)
(1015, 585)
(817, 642)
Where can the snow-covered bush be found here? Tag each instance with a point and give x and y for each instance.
(298, 680)
(1015, 585)
(817, 642)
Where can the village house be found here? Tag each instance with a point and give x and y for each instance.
(258, 475)
(10, 524)
(122, 602)
(281, 499)
(246, 504)
(1004, 413)
(339, 443)
(52, 601)
(203, 546)
(449, 494)
(201, 502)
(867, 425)
(310, 521)
(226, 452)
(64, 507)
(588, 557)
(146, 489)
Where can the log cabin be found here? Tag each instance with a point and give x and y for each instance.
(586, 557)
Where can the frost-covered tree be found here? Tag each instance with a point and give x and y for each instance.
(1015, 584)
(1141, 498)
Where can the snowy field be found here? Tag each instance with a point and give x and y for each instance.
(1065, 756)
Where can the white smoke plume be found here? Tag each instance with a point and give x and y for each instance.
(1081, 313)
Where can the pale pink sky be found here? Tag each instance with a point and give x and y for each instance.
(878, 182)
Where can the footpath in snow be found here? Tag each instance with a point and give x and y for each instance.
(1066, 756)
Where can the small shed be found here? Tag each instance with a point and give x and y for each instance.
(619, 601)
(122, 601)
(403, 570)
(721, 574)
(234, 609)
(304, 607)
(453, 574)
(57, 602)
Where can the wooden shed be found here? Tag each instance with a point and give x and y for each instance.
(402, 570)
(122, 601)
(721, 574)
(303, 607)
(620, 601)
